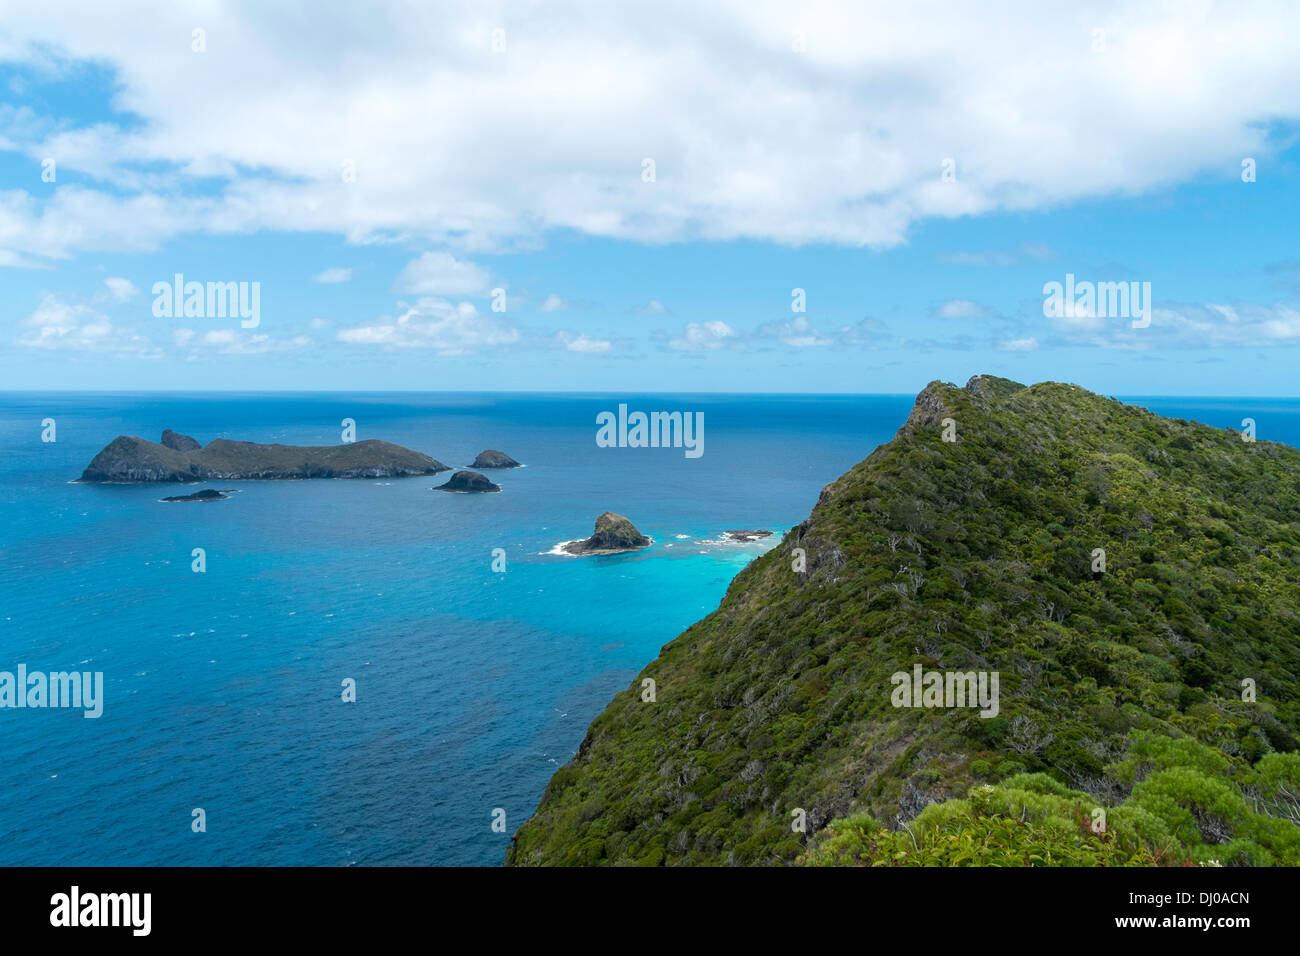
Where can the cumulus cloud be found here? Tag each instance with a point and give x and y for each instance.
(704, 337)
(552, 303)
(796, 333)
(432, 323)
(235, 342)
(60, 323)
(961, 309)
(442, 274)
(1184, 326)
(332, 276)
(1028, 344)
(451, 143)
(579, 342)
(121, 289)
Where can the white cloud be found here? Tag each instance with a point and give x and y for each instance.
(321, 323)
(703, 337)
(333, 276)
(121, 289)
(452, 144)
(442, 274)
(435, 324)
(235, 342)
(578, 342)
(1180, 326)
(59, 323)
(796, 333)
(75, 219)
(867, 332)
(553, 303)
(653, 307)
(961, 309)
(1029, 344)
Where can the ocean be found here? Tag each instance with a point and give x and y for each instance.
(223, 689)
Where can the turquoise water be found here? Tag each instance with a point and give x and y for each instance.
(223, 689)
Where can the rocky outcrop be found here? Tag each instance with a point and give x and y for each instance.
(470, 482)
(614, 534)
(130, 459)
(178, 442)
(494, 459)
(207, 494)
(744, 535)
(928, 410)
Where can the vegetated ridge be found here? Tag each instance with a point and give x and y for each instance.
(1148, 712)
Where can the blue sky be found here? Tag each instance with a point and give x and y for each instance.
(521, 169)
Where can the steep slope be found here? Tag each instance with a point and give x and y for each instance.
(973, 555)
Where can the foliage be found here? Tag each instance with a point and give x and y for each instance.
(1124, 685)
(1191, 808)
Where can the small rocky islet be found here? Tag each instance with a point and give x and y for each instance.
(613, 534)
(180, 458)
(468, 482)
(494, 459)
(207, 494)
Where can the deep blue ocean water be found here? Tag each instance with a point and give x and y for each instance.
(223, 689)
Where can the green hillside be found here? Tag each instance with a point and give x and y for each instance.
(1120, 690)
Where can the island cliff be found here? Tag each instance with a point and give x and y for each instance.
(1131, 579)
(181, 458)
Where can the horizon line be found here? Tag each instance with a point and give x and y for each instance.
(381, 391)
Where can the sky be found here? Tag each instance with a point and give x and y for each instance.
(677, 197)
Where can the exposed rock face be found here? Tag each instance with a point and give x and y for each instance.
(207, 494)
(178, 442)
(130, 459)
(468, 481)
(614, 534)
(745, 535)
(494, 459)
(929, 409)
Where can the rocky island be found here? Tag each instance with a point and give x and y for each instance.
(180, 458)
(494, 459)
(468, 482)
(744, 536)
(614, 534)
(207, 494)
